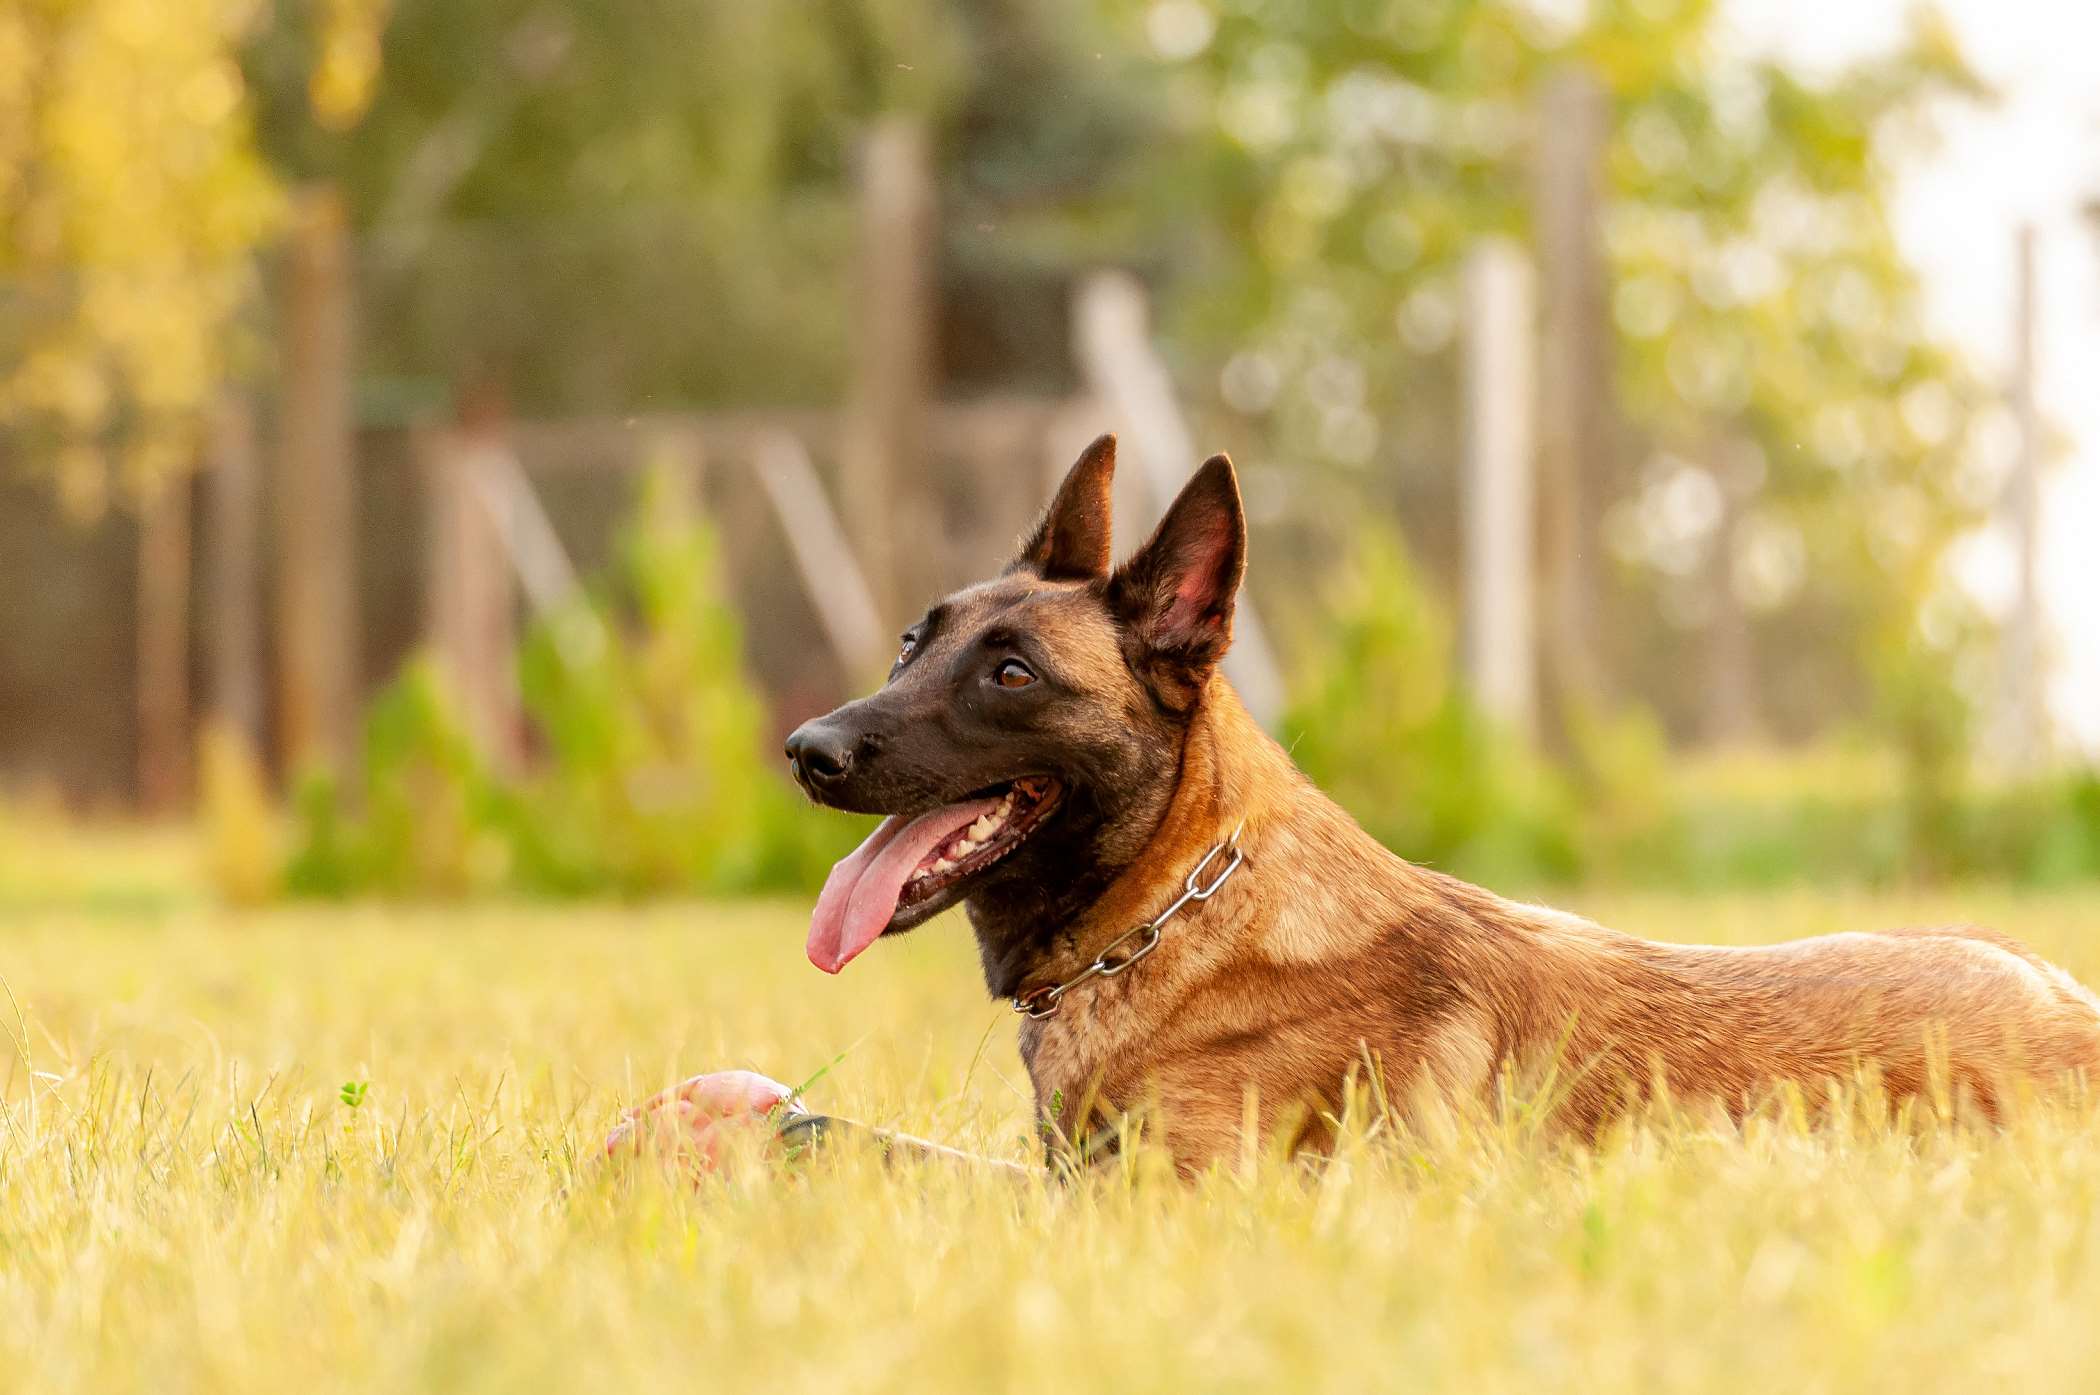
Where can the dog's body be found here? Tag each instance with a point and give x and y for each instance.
(1326, 954)
(1058, 752)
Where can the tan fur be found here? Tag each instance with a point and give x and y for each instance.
(1326, 951)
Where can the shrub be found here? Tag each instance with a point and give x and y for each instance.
(1378, 721)
(648, 775)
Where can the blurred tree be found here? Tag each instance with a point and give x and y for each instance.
(130, 196)
(1044, 177)
(615, 169)
(1799, 469)
(667, 183)
(671, 184)
(1446, 785)
(508, 109)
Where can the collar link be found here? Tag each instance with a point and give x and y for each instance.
(1042, 1001)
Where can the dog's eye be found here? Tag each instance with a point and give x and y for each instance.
(1012, 674)
(905, 645)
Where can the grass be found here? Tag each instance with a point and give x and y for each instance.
(49, 861)
(188, 1202)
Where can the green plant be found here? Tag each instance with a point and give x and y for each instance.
(1379, 721)
(647, 778)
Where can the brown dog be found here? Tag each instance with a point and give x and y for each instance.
(1056, 750)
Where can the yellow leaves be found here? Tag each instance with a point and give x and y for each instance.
(1935, 48)
(132, 195)
(56, 380)
(142, 117)
(348, 68)
(16, 60)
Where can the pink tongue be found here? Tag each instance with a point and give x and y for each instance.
(860, 895)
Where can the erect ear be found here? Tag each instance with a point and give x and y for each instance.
(1071, 540)
(1175, 596)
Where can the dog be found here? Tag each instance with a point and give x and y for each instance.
(1199, 938)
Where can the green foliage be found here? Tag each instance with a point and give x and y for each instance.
(1771, 819)
(2066, 846)
(1859, 818)
(673, 184)
(1380, 724)
(1379, 721)
(1927, 722)
(649, 777)
(1795, 430)
(492, 109)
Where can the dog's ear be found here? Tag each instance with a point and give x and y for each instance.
(1174, 598)
(1071, 540)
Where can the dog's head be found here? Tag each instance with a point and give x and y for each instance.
(1029, 735)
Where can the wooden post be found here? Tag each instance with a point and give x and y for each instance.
(1112, 328)
(883, 451)
(840, 595)
(2024, 716)
(236, 571)
(1500, 527)
(163, 683)
(317, 634)
(1575, 388)
(471, 591)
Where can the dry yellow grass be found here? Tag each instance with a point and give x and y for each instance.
(186, 1204)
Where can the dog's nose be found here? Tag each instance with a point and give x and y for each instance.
(820, 754)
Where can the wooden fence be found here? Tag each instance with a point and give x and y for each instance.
(876, 505)
(872, 505)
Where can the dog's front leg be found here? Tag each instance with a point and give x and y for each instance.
(700, 1119)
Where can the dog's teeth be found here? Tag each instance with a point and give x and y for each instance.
(977, 836)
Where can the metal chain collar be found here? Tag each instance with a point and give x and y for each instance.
(1042, 1002)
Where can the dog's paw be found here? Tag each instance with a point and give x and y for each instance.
(699, 1120)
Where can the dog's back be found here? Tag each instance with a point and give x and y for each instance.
(1958, 1009)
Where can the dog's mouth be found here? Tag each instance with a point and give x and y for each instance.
(911, 866)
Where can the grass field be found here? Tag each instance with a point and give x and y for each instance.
(187, 1203)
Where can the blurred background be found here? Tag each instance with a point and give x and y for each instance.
(445, 443)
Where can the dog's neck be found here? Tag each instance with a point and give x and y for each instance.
(1232, 774)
